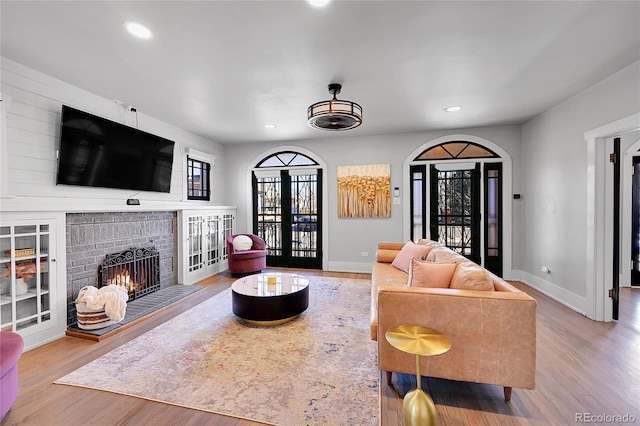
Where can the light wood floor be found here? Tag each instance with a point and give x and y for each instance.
(583, 366)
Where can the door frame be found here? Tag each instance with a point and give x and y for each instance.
(599, 253)
(626, 220)
(325, 211)
(507, 187)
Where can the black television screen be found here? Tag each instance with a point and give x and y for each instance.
(98, 152)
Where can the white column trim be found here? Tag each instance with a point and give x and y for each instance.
(598, 303)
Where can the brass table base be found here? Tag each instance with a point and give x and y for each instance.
(418, 409)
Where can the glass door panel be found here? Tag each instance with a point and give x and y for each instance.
(268, 194)
(25, 275)
(195, 242)
(213, 239)
(455, 212)
(418, 202)
(493, 218)
(304, 215)
(227, 230)
(6, 276)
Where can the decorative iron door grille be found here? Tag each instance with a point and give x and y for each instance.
(269, 215)
(455, 220)
(304, 216)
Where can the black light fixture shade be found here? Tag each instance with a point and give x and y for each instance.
(334, 114)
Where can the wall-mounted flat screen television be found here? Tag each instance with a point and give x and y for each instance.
(98, 152)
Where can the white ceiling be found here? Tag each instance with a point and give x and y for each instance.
(222, 69)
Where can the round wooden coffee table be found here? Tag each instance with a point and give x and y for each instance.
(270, 298)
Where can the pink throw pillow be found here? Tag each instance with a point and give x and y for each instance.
(409, 250)
(428, 274)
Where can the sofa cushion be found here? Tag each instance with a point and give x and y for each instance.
(242, 243)
(429, 243)
(445, 255)
(470, 276)
(429, 274)
(409, 250)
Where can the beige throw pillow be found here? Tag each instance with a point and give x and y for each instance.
(470, 276)
(429, 243)
(409, 250)
(445, 255)
(428, 274)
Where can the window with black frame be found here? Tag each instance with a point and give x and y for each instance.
(198, 180)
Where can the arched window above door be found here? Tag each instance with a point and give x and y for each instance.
(286, 159)
(455, 150)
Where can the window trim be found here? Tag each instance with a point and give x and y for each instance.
(203, 157)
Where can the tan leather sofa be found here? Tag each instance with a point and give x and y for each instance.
(492, 333)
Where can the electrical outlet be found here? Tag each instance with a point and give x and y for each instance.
(364, 254)
(544, 269)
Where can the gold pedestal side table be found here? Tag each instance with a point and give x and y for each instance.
(418, 407)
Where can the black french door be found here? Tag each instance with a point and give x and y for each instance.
(456, 210)
(635, 223)
(287, 215)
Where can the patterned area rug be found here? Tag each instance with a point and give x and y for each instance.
(320, 369)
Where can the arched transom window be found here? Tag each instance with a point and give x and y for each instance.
(286, 159)
(455, 150)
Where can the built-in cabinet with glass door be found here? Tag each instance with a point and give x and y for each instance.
(203, 247)
(29, 294)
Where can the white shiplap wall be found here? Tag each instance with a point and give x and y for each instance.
(31, 107)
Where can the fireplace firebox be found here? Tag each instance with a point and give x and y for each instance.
(136, 269)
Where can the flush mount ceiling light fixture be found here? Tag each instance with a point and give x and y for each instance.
(334, 114)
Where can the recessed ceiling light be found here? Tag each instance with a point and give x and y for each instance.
(318, 3)
(138, 30)
(270, 126)
(453, 109)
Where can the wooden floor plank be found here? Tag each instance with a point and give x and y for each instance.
(583, 366)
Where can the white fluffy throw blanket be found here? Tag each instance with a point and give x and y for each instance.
(112, 298)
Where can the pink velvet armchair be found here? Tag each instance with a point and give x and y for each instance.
(245, 260)
(11, 346)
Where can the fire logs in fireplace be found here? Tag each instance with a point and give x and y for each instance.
(136, 269)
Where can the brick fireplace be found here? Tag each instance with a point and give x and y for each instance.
(93, 236)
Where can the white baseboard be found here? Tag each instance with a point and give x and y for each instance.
(559, 294)
(353, 267)
(514, 275)
(42, 338)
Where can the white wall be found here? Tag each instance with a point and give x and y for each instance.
(31, 107)
(554, 154)
(349, 237)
